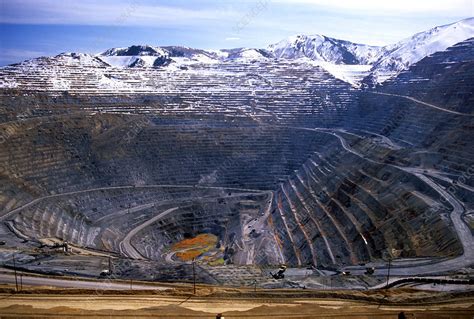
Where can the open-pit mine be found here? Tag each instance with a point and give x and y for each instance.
(259, 172)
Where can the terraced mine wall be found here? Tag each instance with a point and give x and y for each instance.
(282, 164)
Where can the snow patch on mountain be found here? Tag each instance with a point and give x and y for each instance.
(77, 58)
(245, 54)
(251, 54)
(109, 82)
(198, 58)
(349, 73)
(128, 61)
(60, 84)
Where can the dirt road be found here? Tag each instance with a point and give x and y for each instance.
(137, 306)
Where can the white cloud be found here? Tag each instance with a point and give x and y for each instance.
(232, 39)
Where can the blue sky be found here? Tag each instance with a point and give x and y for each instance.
(31, 28)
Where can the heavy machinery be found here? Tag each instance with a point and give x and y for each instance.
(280, 274)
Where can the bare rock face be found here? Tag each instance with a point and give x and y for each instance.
(278, 160)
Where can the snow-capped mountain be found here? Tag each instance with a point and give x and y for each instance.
(345, 60)
(322, 48)
(150, 56)
(398, 57)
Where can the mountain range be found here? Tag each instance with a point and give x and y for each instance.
(351, 62)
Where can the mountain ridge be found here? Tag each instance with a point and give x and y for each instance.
(351, 62)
